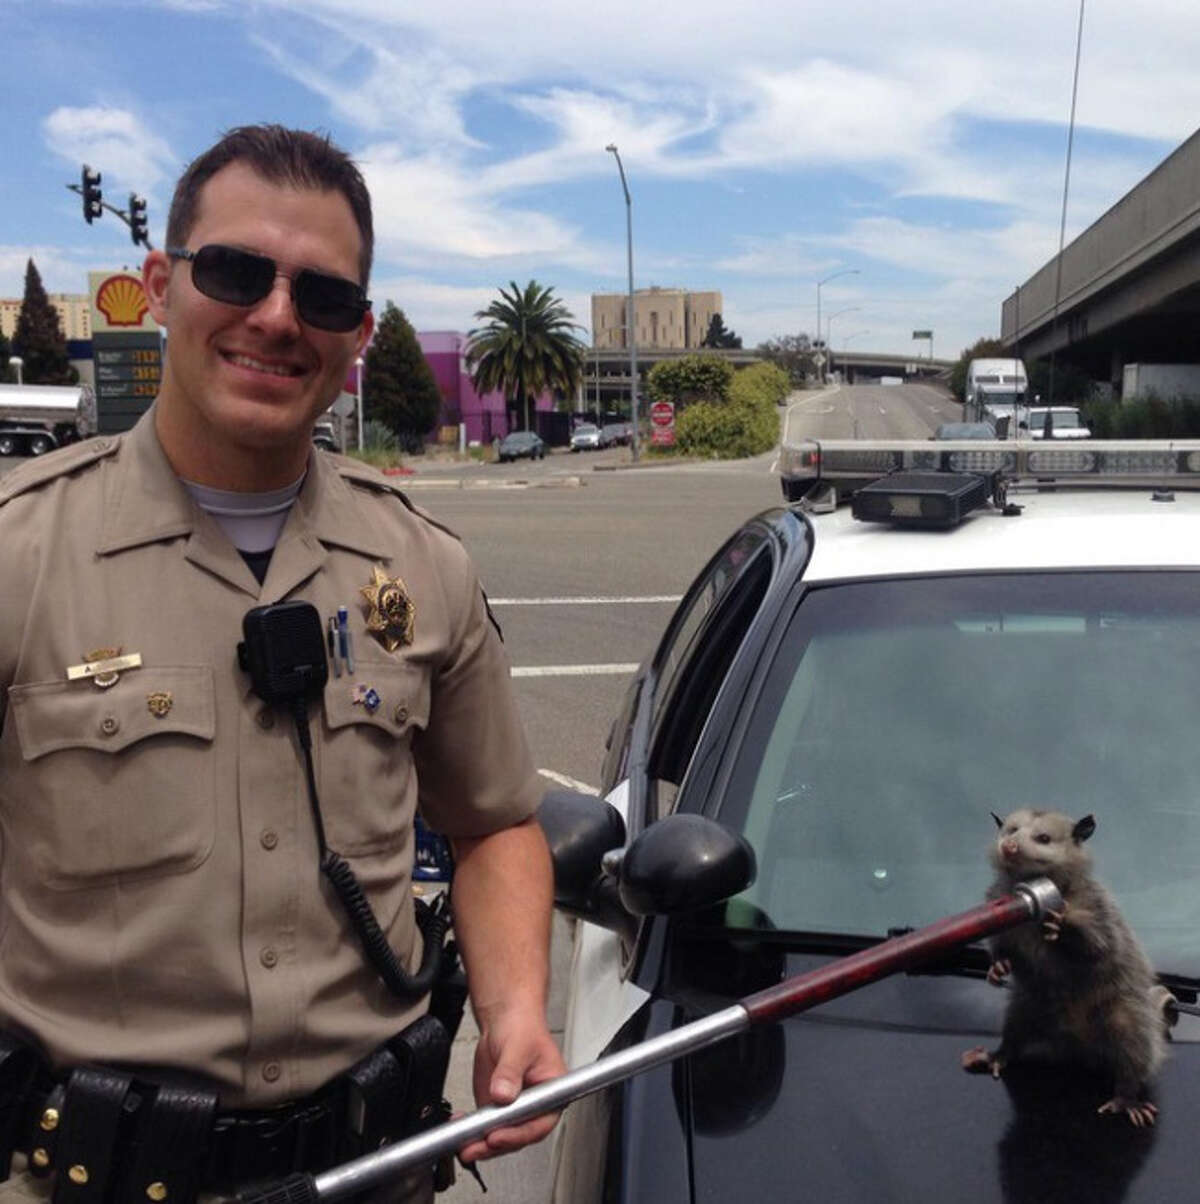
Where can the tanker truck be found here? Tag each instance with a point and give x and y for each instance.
(37, 418)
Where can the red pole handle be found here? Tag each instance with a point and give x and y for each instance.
(847, 974)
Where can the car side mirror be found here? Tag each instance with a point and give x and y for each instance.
(681, 863)
(580, 829)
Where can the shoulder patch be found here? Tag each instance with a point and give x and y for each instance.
(357, 473)
(35, 473)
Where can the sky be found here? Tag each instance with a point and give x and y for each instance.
(910, 156)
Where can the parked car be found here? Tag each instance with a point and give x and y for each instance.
(586, 437)
(851, 693)
(964, 430)
(518, 445)
(616, 433)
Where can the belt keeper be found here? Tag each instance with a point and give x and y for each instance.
(44, 1129)
(92, 1114)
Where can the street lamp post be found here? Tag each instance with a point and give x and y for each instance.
(846, 340)
(358, 369)
(833, 276)
(850, 309)
(630, 326)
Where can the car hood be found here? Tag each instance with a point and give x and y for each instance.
(865, 1100)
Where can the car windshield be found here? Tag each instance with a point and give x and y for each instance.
(899, 713)
(585, 428)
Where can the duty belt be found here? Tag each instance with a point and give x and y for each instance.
(110, 1137)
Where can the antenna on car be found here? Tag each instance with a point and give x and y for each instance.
(1062, 225)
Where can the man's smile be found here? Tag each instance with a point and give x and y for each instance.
(258, 364)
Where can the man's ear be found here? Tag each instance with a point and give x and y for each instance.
(365, 332)
(156, 274)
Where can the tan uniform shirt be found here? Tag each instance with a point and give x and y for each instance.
(160, 898)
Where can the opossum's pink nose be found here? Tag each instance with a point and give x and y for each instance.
(1009, 848)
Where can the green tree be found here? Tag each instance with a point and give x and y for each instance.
(719, 335)
(7, 375)
(526, 346)
(981, 349)
(701, 377)
(39, 338)
(398, 385)
(791, 352)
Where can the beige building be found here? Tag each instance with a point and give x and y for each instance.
(669, 319)
(74, 312)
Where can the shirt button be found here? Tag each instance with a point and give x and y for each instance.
(269, 958)
(271, 1072)
(109, 725)
(400, 714)
(266, 719)
(269, 839)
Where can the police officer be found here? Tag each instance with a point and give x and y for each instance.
(163, 916)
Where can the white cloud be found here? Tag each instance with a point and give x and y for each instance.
(134, 158)
(431, 305)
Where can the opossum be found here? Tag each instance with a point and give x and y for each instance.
(1082, 986)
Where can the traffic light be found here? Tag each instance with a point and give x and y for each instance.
(139, 229)
(90, 191)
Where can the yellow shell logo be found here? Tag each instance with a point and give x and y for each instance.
(122, 301)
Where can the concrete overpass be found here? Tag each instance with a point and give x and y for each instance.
(865, 366)
(606, 370)
(1127, 290)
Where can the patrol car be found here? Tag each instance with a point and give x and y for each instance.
(850, 690)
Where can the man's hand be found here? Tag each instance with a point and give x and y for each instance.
(514, 1052)
(503, 887)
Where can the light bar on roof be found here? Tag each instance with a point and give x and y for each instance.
(854, 463)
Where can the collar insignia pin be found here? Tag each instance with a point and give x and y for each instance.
(391, 616)
(159, 703)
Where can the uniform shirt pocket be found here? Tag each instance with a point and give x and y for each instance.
(118, 783)
(365, 765)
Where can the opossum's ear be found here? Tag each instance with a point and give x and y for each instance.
(999, 821)
(1083, 829)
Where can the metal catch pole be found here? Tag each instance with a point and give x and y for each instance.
(1031, 901)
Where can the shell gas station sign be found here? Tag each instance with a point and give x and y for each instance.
(126, 349)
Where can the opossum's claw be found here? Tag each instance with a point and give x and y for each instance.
(998, 971)
(1141, 1113)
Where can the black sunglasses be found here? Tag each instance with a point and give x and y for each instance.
(236, 277)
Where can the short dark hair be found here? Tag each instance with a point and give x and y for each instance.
(281, 156)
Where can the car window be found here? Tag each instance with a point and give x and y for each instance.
(695, 655)
(900, 713)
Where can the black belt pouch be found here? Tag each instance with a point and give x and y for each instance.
(93, 1110)
(394, 1091)
(166, 1152)
(18, 1065)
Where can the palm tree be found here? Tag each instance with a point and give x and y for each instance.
(526, 346)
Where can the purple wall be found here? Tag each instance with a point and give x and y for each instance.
(485, 416)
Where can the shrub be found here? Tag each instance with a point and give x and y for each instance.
(1146, 417)
(760, 382)
(690, 378)
(727, 430)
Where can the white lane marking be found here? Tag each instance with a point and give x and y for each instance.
(653, 599)
(569, 783)
(571, 670)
